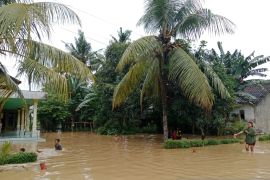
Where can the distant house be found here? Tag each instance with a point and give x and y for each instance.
(254, 105)
(18, 117)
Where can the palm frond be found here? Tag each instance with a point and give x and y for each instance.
(196, 23)
(187, 7)
(258, 60)
(45, 76)
(216, 82)
(129, 82)
(158, 14)
(8, 85)
(257, 72)
(151, 82)
(88, 98)
(192, 82)
(146, 46)
(57, 59)
(22, 19)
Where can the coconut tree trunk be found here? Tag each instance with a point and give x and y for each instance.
(164, 110)
(163, 89)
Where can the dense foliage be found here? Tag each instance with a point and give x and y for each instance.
(173, 144)
(264, 138)
(19, 158)
(93, 102)
(22, 157)
(159, 82)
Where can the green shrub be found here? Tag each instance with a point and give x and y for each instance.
(5, 150)
(18, 158)
(229, 141)
(234, 127)
(172, 144)
(212, 142)
(101, 131)
(21, 157)
(196, 143)
(264, 138)
(149, 129)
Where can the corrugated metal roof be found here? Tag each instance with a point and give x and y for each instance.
(30, 95)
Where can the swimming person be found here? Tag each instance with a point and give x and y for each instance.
(250, 136)
(57, 144)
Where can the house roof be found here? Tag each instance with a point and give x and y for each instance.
(253, 94)
(30, 95)
(15, 102)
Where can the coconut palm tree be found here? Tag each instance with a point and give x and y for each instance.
(159, 61)
(123, 36)
(81, 49)
(23, 26)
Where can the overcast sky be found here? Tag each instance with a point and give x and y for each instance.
(102, 18)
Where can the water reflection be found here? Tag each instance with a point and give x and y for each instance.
(87, 156)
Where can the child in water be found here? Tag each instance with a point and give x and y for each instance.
(57, 144)
(250, 136)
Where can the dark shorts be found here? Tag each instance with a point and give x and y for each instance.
(251, 144)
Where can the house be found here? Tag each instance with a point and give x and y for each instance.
(19, 116)
(254, 105)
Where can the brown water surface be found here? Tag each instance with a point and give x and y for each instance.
(138, 157)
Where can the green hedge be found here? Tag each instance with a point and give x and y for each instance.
(173, 144)
(264, 138)
(19, 158)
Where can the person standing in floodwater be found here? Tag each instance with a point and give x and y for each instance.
(57, 144)
(250, 136)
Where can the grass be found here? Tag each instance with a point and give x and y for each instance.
(173, 144)
(264, 137)
(18, 158)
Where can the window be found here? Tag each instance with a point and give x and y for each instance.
(242, 114)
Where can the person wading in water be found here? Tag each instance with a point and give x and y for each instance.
(250, 136)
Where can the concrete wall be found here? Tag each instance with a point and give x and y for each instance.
(262, 114)
(249, 112)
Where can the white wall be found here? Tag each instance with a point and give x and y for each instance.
(249, 112)
(262, 114)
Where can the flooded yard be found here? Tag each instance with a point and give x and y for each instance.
(138, 157)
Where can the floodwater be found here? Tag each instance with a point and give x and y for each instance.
(138, 157)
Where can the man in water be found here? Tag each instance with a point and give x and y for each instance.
(57, 144)
(250, 136)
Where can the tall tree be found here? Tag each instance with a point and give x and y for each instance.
(81, 49)
(161, 62)
(238, 65)
(123, 36)
(45, 64)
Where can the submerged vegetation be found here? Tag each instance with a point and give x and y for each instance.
(173, 144)
(264, 138)
(18, 158)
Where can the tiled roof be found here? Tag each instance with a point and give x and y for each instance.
(253, 94)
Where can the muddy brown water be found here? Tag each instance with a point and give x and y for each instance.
(138, 157)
